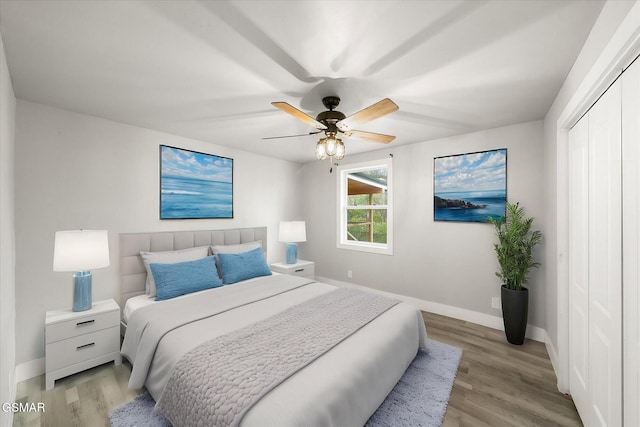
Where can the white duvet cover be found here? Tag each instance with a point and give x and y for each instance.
(140, 301)
(341, 388)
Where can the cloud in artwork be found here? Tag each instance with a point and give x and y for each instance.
(485, 171)
(189, 164)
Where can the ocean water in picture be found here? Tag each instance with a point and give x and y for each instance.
(479, 205)
(183, 197)
(470, 187)
(195, 185)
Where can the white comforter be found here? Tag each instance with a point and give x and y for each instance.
(342, 388)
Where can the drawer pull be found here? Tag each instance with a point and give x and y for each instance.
(299, 270)
(86, 322)
(85, 346)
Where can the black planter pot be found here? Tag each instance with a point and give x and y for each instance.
(515, 307)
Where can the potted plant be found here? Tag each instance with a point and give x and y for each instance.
(516, 242)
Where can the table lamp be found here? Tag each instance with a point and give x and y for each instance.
(292, 232)
(81, 251)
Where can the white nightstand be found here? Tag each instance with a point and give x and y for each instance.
(301, 268)
(80, 340)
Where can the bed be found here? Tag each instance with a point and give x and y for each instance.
(341, 385)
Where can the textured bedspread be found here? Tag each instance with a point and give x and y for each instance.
(150, 324)
(218, 382)
(343, 387)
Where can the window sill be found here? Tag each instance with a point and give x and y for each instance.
(367, 247)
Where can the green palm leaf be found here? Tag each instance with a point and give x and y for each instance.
(516, 242)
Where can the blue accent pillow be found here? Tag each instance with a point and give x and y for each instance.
(173, 280)
(243, 266)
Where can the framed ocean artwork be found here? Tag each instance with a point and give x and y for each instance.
(470, 187)
(195, 185)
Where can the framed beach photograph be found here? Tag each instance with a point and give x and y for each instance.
(195, 185)
(470, 187)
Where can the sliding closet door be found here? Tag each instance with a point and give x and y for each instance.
(605, 259)
(579, 266)
(631, 241)
(595, 262)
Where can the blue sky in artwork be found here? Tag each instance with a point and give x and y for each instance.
(485, 171)
(189, 164)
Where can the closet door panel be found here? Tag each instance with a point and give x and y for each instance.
(605, 258)
(579, 267)
(631, 241)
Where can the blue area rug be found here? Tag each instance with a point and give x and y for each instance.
(419, 399)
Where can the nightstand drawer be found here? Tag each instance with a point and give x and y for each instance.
(301, 268)
(304, 271)
(83, 347)
(81, 325)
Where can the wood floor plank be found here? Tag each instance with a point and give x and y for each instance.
(498, 384)
(56, 403)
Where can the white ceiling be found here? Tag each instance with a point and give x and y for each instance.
(209, 70)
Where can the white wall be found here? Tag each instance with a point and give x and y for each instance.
(613, 13)
(77, 171)
(446, 263)
(7, 240)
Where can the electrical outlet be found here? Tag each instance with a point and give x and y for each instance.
(495, 302)
(349, 274)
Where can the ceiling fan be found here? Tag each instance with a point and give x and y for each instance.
(333, 122)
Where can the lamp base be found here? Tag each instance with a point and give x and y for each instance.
(82, 291)
(292, 253)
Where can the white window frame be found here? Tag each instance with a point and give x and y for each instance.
(342, 241)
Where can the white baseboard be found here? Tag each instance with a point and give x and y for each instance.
(533, 332)
(30, 369)
(555, 362)
(553, 354)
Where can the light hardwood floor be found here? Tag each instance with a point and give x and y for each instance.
(498, 384)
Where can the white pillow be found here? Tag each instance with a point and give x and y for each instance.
(236, 249)
(169, 257)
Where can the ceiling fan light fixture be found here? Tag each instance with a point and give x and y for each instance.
(331, 145)
(333, 121)
(321, 149)
(340, 151)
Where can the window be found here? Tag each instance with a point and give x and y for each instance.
(366, 207)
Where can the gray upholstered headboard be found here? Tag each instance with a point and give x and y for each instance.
(132, 272)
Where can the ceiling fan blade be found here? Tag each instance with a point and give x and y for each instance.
(289, 109)
(370, 136)
(292, 136)
(372, 112)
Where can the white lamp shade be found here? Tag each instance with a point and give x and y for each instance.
(292, 232)
(80, 250)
